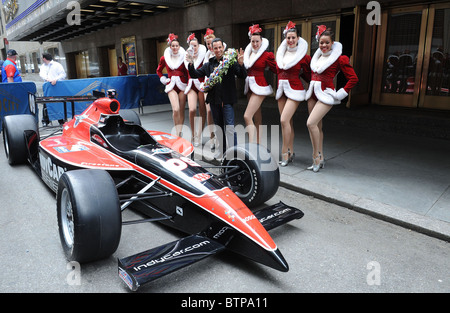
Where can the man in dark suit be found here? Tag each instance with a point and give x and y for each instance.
(222, 96)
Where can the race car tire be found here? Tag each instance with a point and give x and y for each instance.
(259, 176)
(130, 116)
(89, 215)
(13, 136)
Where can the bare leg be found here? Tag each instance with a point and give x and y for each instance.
(182, 101)
(253, 116)
(192, 103)
(209, 118)
(311, 104)
(287, 109)
(315, 118)
(177, 102)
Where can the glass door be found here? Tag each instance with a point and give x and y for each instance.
(436, 79)
(400, 56)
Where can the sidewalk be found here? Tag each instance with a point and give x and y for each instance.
(402, 179)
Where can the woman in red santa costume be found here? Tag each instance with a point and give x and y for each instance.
(292, 62)
(173, 61)
(322, 95)
(256, 60)
(192, 91)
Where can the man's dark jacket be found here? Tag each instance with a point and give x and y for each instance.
(224, 92)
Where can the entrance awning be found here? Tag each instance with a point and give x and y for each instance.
(54, 21)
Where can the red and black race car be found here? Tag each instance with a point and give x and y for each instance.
(103, 161)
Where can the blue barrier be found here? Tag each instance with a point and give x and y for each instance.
(130, 91)
(152, 91)
(14, 98)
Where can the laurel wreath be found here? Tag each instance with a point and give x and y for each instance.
(229, 58)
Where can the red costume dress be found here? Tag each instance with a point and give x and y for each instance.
(177, 73)
(324, 68)
(198, 62)
(255, 65)
(290, 66)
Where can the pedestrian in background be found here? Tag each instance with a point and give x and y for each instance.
(326, 63)
(173, 62)
(10, 71)
(50, 71)
(122, 68)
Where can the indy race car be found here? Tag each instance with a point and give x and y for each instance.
(103, 162)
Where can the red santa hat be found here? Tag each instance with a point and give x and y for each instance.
(191, 37)
(171, 38)
(254, 29)
(209, 31)
(289, 26)
(320, 30)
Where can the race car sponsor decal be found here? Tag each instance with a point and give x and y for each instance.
(126, 278)
(78, 119)
(99, 164)
(201, 177)
(163, 137)
(99, 139)
(161, 150)
(73, 148)
(170, 255)
(230, 215)
(50, 171)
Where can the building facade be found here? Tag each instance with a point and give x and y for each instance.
(399, 49)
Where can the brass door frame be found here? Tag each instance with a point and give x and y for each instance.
(404, 100)
(430, 101)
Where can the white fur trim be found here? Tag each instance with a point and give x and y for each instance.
(174, 64)
(163, 79)
(285, 87)
(341, 94)
(336, 52)
(302, 48)
(175, 80)
(192, 81)
(250, 83)
(200, 57)
(248, 52)
(327, 96)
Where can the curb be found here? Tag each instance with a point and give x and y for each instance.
(389, 213)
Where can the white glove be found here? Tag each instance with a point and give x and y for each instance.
(164, 80)
(341, 94)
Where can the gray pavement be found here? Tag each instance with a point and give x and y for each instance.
(399, 178)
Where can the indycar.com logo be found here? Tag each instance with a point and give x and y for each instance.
(169, 256)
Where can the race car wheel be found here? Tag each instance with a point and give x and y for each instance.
(89, 215)
(252, 173)
(130, 116)
(14, 138)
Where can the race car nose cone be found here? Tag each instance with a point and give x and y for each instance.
(280, 263)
